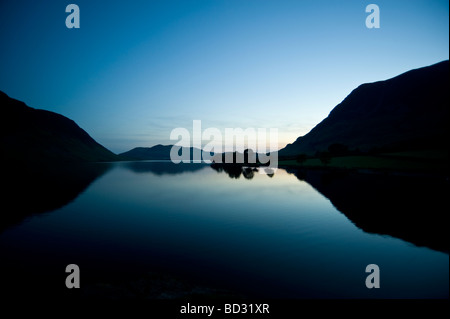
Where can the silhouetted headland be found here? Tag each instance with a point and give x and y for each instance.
(403, 121)
(47, 160)
(33, 135)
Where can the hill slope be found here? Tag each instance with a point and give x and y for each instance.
(407, 112)
(28, 134)
(157, 152)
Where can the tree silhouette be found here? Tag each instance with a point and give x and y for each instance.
(325, 157)
(301, 158)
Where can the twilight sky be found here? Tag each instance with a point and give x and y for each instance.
(135, 70)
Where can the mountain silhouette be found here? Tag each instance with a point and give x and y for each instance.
(157, 152)
(47, 160)
(407, 112)
(29, 134)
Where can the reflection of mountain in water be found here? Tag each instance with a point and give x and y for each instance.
(45, 158)
(412, 208)
(408, 207)
(37, 188)
(163, 168)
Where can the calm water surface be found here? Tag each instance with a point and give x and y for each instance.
(265, 237)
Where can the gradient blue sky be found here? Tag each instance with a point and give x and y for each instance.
(137, 69)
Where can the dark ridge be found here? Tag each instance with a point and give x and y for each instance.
(407, 112)
(32, 135)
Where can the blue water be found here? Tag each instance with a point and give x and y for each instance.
(265, 237)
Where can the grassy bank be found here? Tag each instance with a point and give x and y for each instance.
(435, 161)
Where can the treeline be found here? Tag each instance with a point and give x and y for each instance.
(334, 150)
(247, 158)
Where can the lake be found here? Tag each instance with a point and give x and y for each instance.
(160, 230)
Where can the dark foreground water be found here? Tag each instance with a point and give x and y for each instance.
(159, 230)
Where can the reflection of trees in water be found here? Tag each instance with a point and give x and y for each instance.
(269, 172)
(249, 172)
(235, 171)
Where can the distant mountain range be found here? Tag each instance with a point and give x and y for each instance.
(407, 112)
(28, 134)
(162, 152)
(157, 152)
